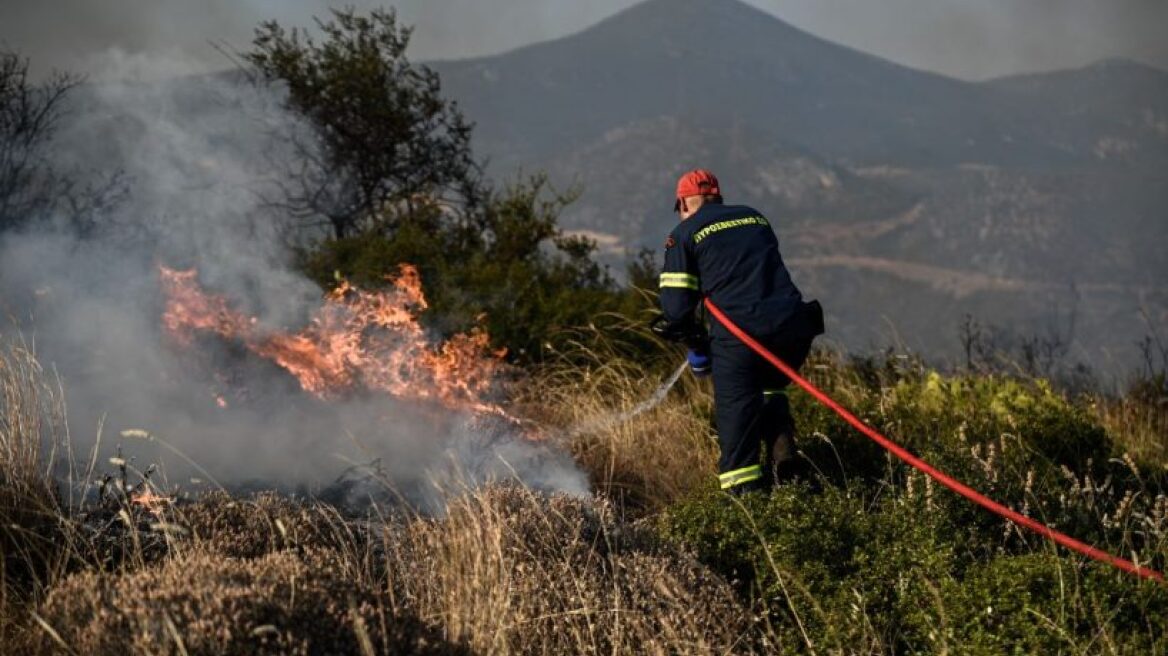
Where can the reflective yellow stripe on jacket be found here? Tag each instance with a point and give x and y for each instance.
(740, 476)
(679, 281)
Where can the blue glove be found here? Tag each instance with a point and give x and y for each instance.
(699, 363)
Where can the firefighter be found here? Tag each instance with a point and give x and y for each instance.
(730, 254)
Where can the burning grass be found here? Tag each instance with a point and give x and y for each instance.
(357, 340)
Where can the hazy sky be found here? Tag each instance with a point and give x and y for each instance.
(965, 38)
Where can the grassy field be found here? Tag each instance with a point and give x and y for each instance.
(873, 559)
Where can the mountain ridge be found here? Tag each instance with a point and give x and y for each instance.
(632, 77)
(646, 62)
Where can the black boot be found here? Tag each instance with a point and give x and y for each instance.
(761, 485)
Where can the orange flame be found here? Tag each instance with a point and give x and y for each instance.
(357, 340)
(153, 503)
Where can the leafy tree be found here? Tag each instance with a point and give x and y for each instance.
(390, 172)
(386, 141)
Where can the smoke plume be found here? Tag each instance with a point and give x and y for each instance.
(201, 154)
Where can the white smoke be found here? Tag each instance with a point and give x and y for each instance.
(200, 154)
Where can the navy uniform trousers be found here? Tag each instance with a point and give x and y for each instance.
(752, 410)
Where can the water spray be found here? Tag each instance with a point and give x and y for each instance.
(617, 418)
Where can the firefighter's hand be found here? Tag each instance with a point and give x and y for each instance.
(689, 332)
(699, 363)
(663, 329)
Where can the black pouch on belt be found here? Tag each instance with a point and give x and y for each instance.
(813, 318)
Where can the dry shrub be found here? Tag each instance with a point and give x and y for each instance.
(203, 603)
(266, 522)
(507, 571)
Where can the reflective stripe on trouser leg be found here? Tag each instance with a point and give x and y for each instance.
(738, 401)
(739, 476)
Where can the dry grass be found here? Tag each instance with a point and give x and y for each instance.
(33, 538)
(1138, 424)
(265, 523)
(506, 571)
(643, 463)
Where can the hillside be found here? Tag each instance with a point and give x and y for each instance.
(1115, 110)
(1053, 184)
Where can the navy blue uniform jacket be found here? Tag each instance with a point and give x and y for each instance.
(731, 254)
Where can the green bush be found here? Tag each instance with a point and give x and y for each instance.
(1042, 604)
(885, 560)
(893, 575)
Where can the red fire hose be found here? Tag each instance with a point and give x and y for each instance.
(939, 476)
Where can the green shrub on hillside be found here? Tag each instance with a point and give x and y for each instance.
(1043, 604)
(1017, 441)
(893, 575)
(886, 560)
